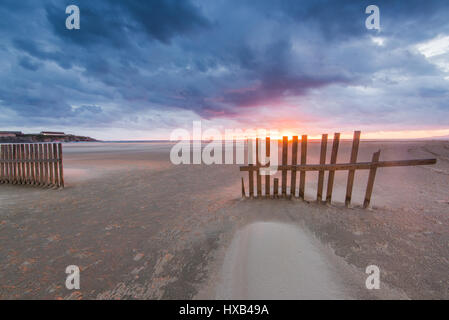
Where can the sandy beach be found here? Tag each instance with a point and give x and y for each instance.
(140, 227)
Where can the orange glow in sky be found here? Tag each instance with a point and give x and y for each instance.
(374, 135)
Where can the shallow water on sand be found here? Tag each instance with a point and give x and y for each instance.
(271, 260)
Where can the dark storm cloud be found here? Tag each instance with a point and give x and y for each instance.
(213, 58)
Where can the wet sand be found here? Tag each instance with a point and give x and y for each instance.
(142, 228)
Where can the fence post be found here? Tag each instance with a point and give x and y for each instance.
(294, 162)
(44, 146)
(302, 175)
(267, 177)
(36, 164)
(284, 162)
(275, 187)
(32, 163)
(351, 172)
(55, 155)
(258, 177)
(14, 157)
(27, 164)
(2, 164)
(23, 158)
(61, 171)
(319, 193)
(330, 182)
(371, 177)
(50, 163)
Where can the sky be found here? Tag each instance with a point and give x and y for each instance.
(140, 69)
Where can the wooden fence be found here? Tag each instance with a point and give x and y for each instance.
(333, 166)
(33, 164)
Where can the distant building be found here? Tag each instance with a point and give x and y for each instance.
(10, 133)
(51, 133)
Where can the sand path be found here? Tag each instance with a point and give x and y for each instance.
(271, 260)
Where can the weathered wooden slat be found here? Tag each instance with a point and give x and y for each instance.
(5, 164)
(11, 164)
(56, 166)
(334, 153)
(294, 162)
(22, 163)
(275, 187)
(371, 177)
(50, 164)
(32, 165)
(27, 164)
(46, 173)
(319, 193)
(61, 170)
(2, 164)
(7, 169)
(38, 167)
(251, 182)
(41, 165)
(302, 175)
(267, 177)
(243, 189)
(258, 177)
(23, 158)
(351, 172)
(355, 166)
(19, 164)
(15, 164)
(284, 162)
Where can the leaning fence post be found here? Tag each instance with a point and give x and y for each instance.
(319, 193)
(371, 177)
(243, 189)
(351, 172)
(330, 182)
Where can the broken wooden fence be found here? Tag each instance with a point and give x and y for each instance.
(34, 164)
(303, 167)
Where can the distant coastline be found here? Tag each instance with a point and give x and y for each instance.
(19, 137)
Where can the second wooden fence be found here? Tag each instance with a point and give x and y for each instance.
(34, 164)
(303, 167)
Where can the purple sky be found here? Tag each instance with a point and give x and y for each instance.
(139, 69)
